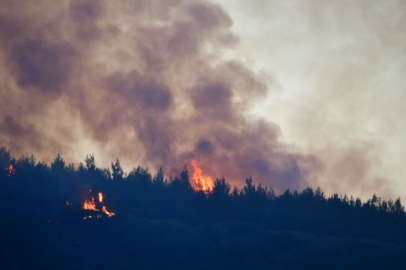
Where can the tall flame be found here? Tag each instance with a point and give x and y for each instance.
(91, 205)
(203, 183)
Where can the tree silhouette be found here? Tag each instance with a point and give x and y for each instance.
(159, 177)
(118, 173)
(90, 163)
(59, 164)
(190, 227)
(221, 188)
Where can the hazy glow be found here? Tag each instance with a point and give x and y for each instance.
(338, 71)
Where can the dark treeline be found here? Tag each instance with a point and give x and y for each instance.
(167, 224)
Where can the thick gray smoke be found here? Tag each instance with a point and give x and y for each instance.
(144, 81)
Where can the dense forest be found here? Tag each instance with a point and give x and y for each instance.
(63, 217)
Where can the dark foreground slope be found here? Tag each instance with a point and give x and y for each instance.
(169, 225)
(138, 243)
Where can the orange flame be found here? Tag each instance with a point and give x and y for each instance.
(203, 183)
(109, 214)
(68, 203)
(10, 170)
(90, 205)
(98, 216)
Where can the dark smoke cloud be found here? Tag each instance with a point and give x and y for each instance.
(85, 13)
(144, 81)
(40, 65)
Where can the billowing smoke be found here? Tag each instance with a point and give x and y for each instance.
(144, 81)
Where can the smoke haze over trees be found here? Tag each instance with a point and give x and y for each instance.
(143, 80)
(168, 223)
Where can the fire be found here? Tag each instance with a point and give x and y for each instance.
(91, 205)
(203, 183)
(109, 214)
(10, 170)
(70, 205)
(98, 216)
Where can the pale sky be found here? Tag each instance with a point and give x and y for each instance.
(338, 80)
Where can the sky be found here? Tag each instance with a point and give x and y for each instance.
(294, 93)
(339, 88)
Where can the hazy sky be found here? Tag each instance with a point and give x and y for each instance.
(294, 93)
(338, 82)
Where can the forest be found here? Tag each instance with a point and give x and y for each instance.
(58, 216)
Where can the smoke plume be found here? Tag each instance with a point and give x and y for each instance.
(144, 81)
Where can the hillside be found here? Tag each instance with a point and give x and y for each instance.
(62, 217)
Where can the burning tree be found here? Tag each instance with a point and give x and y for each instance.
(203, 183)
